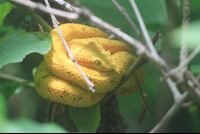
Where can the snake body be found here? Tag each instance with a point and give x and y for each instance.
(103, 61)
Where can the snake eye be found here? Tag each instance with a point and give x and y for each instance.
(97, 62)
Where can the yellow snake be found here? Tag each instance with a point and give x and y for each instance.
(103, 61)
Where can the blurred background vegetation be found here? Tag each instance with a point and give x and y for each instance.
(163, 15)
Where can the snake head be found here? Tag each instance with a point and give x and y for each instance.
(92, 54)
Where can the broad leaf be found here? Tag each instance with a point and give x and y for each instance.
(14, 48)
(5, 8)
(86, 119)
(24, 125)
(29, 126)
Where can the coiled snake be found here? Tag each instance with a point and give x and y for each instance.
(103, 61)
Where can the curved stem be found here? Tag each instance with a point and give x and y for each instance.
(12, 78)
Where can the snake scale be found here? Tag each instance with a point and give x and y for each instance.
(103, 61)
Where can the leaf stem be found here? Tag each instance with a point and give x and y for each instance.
(12, 78)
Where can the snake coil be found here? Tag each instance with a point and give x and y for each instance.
(103, 61)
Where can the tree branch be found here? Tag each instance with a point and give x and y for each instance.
(170, 114)
(183, 64)
(125, 14)
(71, 16)
(144, 30)
(185, 24)
(174, 89)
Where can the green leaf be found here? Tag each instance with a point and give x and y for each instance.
(9, 88)
(5, 8)
(86, 119)
(28, 126)
(14, 48)
(191, 36)
(195, 69)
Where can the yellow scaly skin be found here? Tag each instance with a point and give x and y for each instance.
(102, 60)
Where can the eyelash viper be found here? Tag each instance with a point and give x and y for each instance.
(103, 61)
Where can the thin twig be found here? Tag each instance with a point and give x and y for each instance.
(56, 23)
(156, 37)
(71, 16)
(192, 78)
(185, 24)
(12, 78)
(53, 18)
(154, 40)
(170, 114)
(193, 84)
(173, 88)
(187, 104)
(144, 30)
(125, 14)
(143, 98)
(66, 5)
(183, 63)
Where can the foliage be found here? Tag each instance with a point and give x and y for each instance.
(86, 119)
(14, 48)
(4, 9)
(23, 125)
